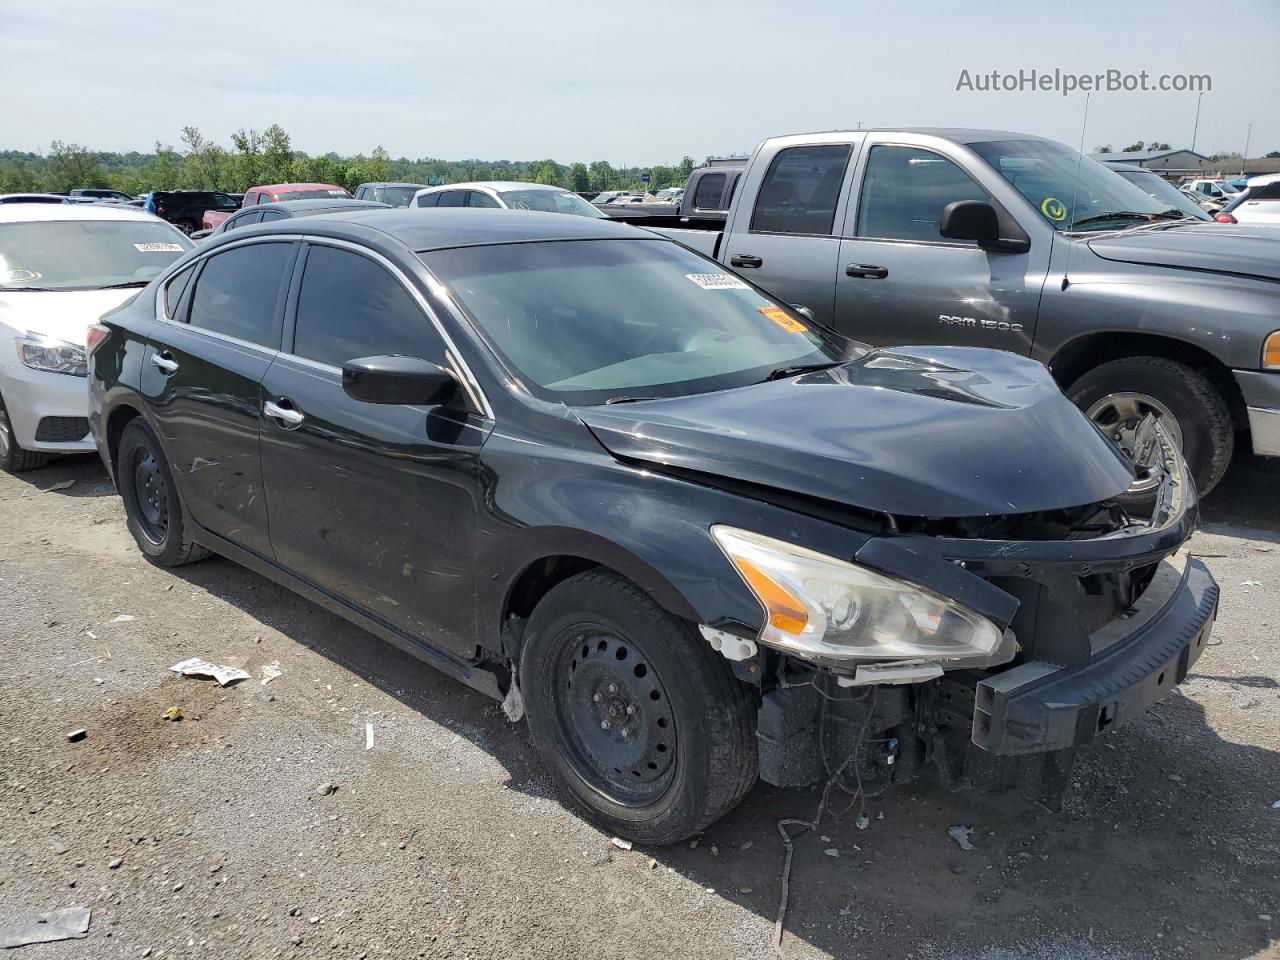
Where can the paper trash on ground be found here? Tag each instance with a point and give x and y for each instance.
(69, 923)
(195, 667)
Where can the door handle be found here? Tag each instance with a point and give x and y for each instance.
(286, 415)
(745, 260)
(165, 362)
(868, 271)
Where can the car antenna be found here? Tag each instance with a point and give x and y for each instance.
(1075, 190)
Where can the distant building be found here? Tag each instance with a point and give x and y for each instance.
(1168, 163)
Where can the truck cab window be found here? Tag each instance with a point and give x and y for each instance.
(710, 189)
(904, 190)
(351, 307)
(800, 190)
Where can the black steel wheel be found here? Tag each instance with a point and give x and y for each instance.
(644, 726)
(152, 505)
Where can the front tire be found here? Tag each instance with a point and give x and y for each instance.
(644, 726)
(152, 506)
(1116, 395)
(14, 459)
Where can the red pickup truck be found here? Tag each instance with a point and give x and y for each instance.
(272, 193)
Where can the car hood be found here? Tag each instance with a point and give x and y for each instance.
(1241, 250)
(63, 315)
(920, 431)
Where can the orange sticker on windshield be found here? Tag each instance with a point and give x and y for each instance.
(784, 319)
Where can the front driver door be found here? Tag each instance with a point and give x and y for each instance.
(373, 503)
(201, 381)
(900, 281)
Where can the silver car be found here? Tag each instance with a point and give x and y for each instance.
(506, 195)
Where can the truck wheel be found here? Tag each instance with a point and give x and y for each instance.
(187, 226)
(152, 507)
(13, 459)
(644, 726)
(1117, 395)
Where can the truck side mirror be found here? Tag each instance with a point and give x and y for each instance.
(969, 220)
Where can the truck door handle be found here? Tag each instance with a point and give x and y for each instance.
(868, 271)
(288, 416)
(745, 260)
(165, 362)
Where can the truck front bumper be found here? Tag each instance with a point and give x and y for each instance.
(1039, 707)
(1261, 391)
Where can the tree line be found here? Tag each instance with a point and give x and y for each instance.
(268, 157)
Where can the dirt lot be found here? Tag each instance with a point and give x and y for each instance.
(209, 837)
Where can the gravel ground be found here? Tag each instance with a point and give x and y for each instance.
(210, 836)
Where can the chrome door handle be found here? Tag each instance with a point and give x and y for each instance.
(286, 415)
(165, 363)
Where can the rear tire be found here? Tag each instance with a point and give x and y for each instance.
(1202, 415)
(151, 503)
(645, 727)
(14, 459)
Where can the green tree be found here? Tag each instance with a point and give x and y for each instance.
(1158, 145)
(1104, 148)
(1274, 155)
(1134, 147)
(71, 165)
(602, 175)
(166, 170)
(686, 168)
(277, 153)
(579, 178)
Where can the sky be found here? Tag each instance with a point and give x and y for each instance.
(634, 84)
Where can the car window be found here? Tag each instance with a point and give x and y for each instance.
(237, 292)
(452, 198)
(800, 190)
(1268, 191)
(904, 190)
(396, 196)
(174, 289)
(244, 220)
(363, 192)
(428, 200)
(351, 307)
(224, 202)
(269, 215)
(710, 189)
(477, 199)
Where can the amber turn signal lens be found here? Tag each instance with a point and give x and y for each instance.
(785, 611)
(1271, 352)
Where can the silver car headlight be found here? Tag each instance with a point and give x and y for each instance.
(52, 356)
(820, 606)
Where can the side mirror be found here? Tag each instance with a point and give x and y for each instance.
(978, 221)
(399, 380)
(969, 220)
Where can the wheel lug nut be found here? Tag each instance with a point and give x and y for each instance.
(631, 711)
(613, 688)
(595, 698)
(604, 724)
(625, 734)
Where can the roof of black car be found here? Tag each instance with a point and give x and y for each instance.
(438, 228)
(298, 207)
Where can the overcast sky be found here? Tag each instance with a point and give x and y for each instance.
(638, 83)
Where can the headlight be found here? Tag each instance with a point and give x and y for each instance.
(821, 606)
(52, 356)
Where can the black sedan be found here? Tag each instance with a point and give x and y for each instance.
(695, 536)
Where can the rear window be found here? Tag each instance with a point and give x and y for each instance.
(710, 189)
(311, 194)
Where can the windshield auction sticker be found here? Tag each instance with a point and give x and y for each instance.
(784, 319)
(158, 247)
(717, 281)
(1054, 209)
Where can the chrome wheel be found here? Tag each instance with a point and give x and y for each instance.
(1118, 415)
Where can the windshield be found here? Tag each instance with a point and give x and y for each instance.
(85, 254)
(590, 321)
(550, 201)
(396, 196)
(1046, 174)
(1164, 191)
(312, 194)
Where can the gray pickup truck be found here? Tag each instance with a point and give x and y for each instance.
(1011, 241)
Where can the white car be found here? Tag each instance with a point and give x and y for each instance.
(506, 195)
(61, 267)
(1259, 203)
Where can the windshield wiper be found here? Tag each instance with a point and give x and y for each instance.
(127, 283)
(795, 369)
(628, 399)
(1129, 215)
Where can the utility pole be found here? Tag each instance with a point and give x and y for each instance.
(1245, 156)
(1196, 129)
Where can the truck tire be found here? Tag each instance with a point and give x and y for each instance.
(13, 459)
(1115, 394)
(153, 510)
(643, 725)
